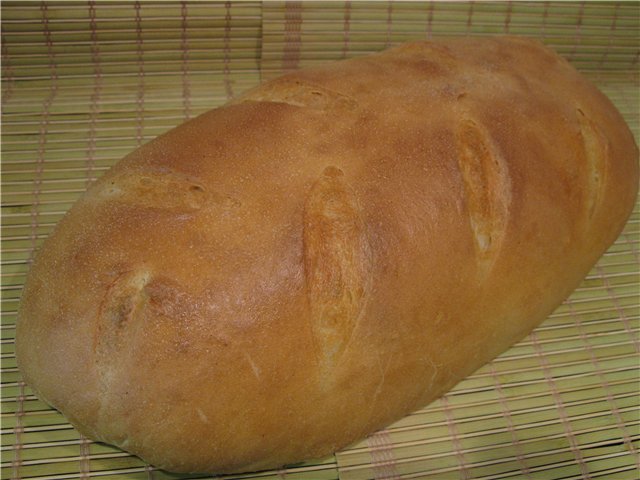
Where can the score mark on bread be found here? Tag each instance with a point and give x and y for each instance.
(596, 153)
(122, 299)
(487, 190)
(337, 263)
(298, 93)
(163, 190)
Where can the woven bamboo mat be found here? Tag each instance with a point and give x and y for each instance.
(85, 83)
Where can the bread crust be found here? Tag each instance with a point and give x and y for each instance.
(290, 272)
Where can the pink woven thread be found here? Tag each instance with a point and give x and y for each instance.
(564, 419)
(507, 19)
(227, 50)
(631, 103)
(469, 18)
(578, 35)
(455, 439)
(619, 309)
(184, 45)
(140, 59)
(42, 133)
(389, 22)
(346, 26)
(149, 470)
(8, 79)
(632, 247)
(18, 430)
(510, 426)
(85, 466)
(545, 18)
(636, 114)
(35, 213)
(292, 39)
(95, 96)
(626, 438)
(49, 42)
(430, 19)
(384, 461)
(612, 29)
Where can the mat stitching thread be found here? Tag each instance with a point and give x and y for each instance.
(227, 50)
(346, 27)
(634, 250)
(389, 22)
(184, 45)
(510, 425)
(469, 18)
(626, 438)
(618, 308)
(557, 398)
(455, 438)
(292, 36)
(141, 81)
(18, 430)
(95, 96)
(430, 12)
(34, 214)
(612, 30)
(577, 39)
(507, 21)
(84, 460)
(8, 77)
(383, 460)
(545, 18)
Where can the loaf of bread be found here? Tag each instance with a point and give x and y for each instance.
(290, 272)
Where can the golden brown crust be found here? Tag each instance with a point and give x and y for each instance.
(290, 272)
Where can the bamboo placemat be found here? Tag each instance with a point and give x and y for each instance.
(85, 83)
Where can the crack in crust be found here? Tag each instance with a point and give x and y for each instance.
(337, 262)
(168, 191)
(487, 191)
(124, 297)
(297, 93)
(596, 156)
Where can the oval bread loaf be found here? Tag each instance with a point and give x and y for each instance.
(288, 273)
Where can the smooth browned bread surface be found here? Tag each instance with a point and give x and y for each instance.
(288, 273)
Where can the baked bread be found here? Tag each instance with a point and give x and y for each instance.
(288, 273)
